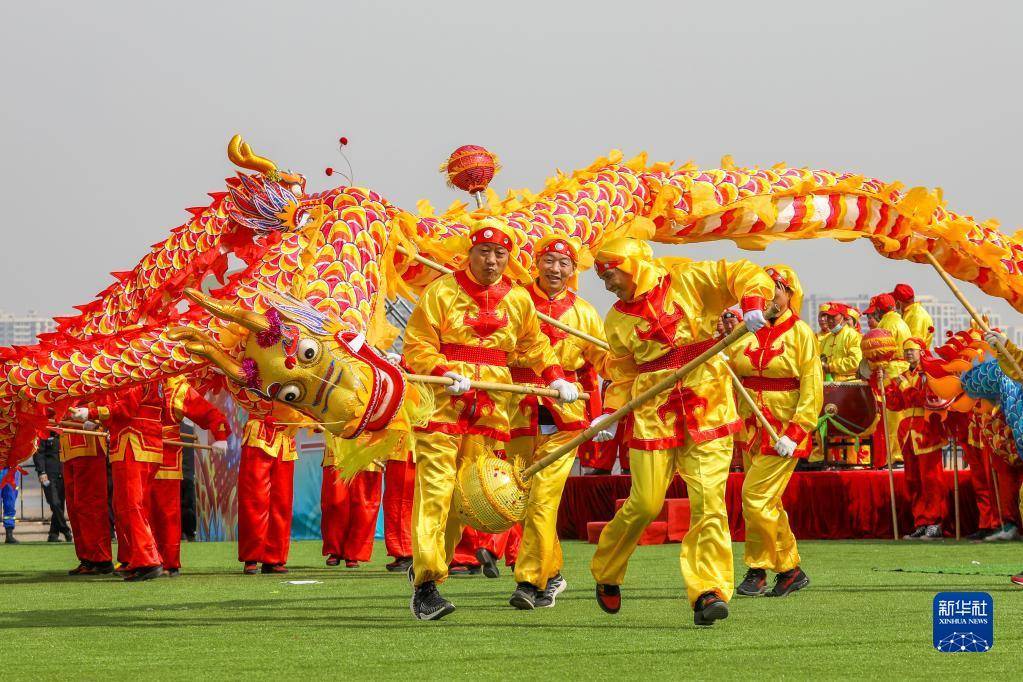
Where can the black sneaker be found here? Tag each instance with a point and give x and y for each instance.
(399, 565)
(789, 581)
(980, 534)
(754, 584)
(524, 597)
(144, 573)
(555, 586)
(933, 532)
(172, 572)
(709, 608)
(104, 568)
(609, 598)
(488, 562)
(53, 538)
(427, 604)
(916, 534)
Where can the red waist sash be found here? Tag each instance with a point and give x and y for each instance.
(677, 357)
(476, 355)
(771, 383)
(524, 375)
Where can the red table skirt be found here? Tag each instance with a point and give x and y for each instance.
(822, 505)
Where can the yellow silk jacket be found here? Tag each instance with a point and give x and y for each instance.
(573, 354)
(461, 326)
(74, 445)
(780, 367)
(844, 354)
(919, 323)
(655, 334)
(275, 434)
(894, 323)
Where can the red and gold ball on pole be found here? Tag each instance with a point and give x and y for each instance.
(470, 168)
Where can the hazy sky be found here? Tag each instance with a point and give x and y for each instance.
(115, 116)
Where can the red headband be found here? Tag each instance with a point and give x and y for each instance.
(777, 277)
(560, 247)
(602, 267)
(489, 235)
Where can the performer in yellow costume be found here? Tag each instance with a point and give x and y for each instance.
(464, 326)
(665, 316)
(919, 321)
(780, 368)
(844, 356)
(538, 426)
(882, 310)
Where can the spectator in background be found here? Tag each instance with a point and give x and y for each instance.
(51, 477)
(9, 498)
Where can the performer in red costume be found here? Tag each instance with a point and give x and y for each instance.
(399, 489)
(266, 486)
(180, 401)
(348, 511)
(134, 418)
(85, 489)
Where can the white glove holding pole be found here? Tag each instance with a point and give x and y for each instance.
(90, 426)
(393, 358)
(461, 385)
(606, 433)
(754, 320)
(567, 391)
(994, 338)
(78, 414)
(785, 446)
(219, 447)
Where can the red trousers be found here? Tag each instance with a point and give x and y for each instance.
(165, 519)
(85, 492)
(399, 487)
(266, 487)
(925, 486)
(511, 547)
(603, 455)
(349, 509)
(136, 545)
(1009, 479)
(980, 474)
(473, 540)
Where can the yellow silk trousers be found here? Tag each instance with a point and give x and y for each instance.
(436, 532)
(539, 557)
(706, 557)
(770, 543)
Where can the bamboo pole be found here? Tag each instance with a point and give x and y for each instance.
(104, 434)
(546, 318)
(888, 454)
(752, 404)
(521, 389)
(74, 425)
(1002, 350)
(661, 386)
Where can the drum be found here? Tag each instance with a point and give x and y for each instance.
(850, 408)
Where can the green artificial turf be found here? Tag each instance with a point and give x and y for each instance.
(866, 614)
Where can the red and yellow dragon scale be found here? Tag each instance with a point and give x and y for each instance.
(325, 263)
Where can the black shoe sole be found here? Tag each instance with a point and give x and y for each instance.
(436, 615)
(798, 585)
(714, 612)
(403, 568)
(521, 603)
(488, 562)
(747, 593)
(147, 575)
(607, 609)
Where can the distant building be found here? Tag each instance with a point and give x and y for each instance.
(948, 316)
(22, 330)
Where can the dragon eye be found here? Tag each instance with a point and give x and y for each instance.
(308, 349)
(290, 393)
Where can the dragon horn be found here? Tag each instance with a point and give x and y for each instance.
(198, 343)
(241, 155)
(252, 321)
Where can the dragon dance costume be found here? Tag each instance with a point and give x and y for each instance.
(85, 488)
(780, 368)
(671, 320)
(471, 329)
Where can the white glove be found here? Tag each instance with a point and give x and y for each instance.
(219, 447)
(79, 414)
(754, 320)
(567, 392)
(606, 433)
(460, 386)
(785, 446)
(90, 426)
(994, 338)
(45, 480)
(393, 358)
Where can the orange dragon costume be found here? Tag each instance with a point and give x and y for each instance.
(539, 426)
(672, 319)
(780, 368)
(462, 326)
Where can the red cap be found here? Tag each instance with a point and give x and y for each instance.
(884, 302)
(903, 293)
